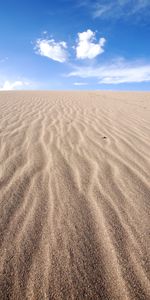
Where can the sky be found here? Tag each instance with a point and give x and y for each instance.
(75, 44)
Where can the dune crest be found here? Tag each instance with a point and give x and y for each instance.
(74, 195)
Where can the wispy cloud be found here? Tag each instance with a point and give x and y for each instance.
(115, 72)
(111, 72)
(116, 9)
(86, 47)
(80, 83)
(13, 85)
(2, 60)
(52, 49)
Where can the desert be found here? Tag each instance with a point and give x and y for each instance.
(74, 195)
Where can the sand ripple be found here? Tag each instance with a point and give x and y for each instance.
(74, 195)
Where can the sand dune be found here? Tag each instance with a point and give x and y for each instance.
(74, 195)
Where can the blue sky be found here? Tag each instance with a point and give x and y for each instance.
(75, 44)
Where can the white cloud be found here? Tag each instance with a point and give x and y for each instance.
(80, 83)
(86, 48)
(13, 85)
(114, 73)
(51, 49)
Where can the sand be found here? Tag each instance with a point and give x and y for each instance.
(74, 195)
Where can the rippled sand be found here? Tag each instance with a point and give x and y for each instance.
(75, 195)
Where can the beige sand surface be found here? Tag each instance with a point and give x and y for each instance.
(74, 195)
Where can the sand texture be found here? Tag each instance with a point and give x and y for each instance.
(74, 195)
